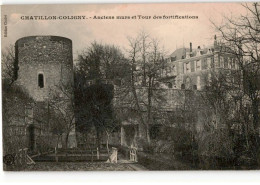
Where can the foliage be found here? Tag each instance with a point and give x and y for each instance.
(241, 35)
(62, 110)
(8, 65)
(146, 57)
(94, 102)
(217, 144)
(100, 61)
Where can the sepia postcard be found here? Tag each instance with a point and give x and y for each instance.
(131, 87)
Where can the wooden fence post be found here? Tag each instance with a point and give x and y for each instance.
(56, 157)
(133, 154)
(91, 155)
(97, 153)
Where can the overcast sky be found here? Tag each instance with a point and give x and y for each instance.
(171, 32)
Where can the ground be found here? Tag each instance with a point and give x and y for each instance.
(47, 163)
(82, 166)
(78, 166)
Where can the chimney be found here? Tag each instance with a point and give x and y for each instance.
(189, 54)
(215, 42)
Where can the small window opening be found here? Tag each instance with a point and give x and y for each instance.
(40, 81)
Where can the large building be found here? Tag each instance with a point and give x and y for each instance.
(192, 68)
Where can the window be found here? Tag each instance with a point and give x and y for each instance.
(182, 86)
(192, 66)
(198, 83)
(208, 63)
(198, 65)
(221, 61)
(229, 63)
(188, 67)
(204, 64)
(181, 68)
(40, 81)
(216, 61)
(225, 62)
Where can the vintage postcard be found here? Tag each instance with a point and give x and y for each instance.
(129, 87)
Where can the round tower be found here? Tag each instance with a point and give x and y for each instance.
(43, 62)
(44, 69)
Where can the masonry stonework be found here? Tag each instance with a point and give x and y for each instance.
(50, 56)
(44, 63)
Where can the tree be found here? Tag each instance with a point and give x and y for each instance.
(57, 126)
(62, 103)
(100, 61)
(146, 57)
(112, 60)
(101, 112)
(216, 109)
(241, 35)
(94, 102)
(8, 65)
(145, 43)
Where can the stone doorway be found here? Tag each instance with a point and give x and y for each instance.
(31, 137)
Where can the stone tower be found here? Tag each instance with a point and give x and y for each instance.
(43, 64)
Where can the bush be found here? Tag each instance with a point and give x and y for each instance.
(43, 144)
(164, 147)
(143, 145)
(216, 148)
(184, 143)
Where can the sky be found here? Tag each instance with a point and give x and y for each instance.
(172, 33)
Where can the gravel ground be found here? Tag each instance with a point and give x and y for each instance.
(77, 166)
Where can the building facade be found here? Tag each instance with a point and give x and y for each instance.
(192, 69)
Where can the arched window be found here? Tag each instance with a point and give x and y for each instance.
(40, 80)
